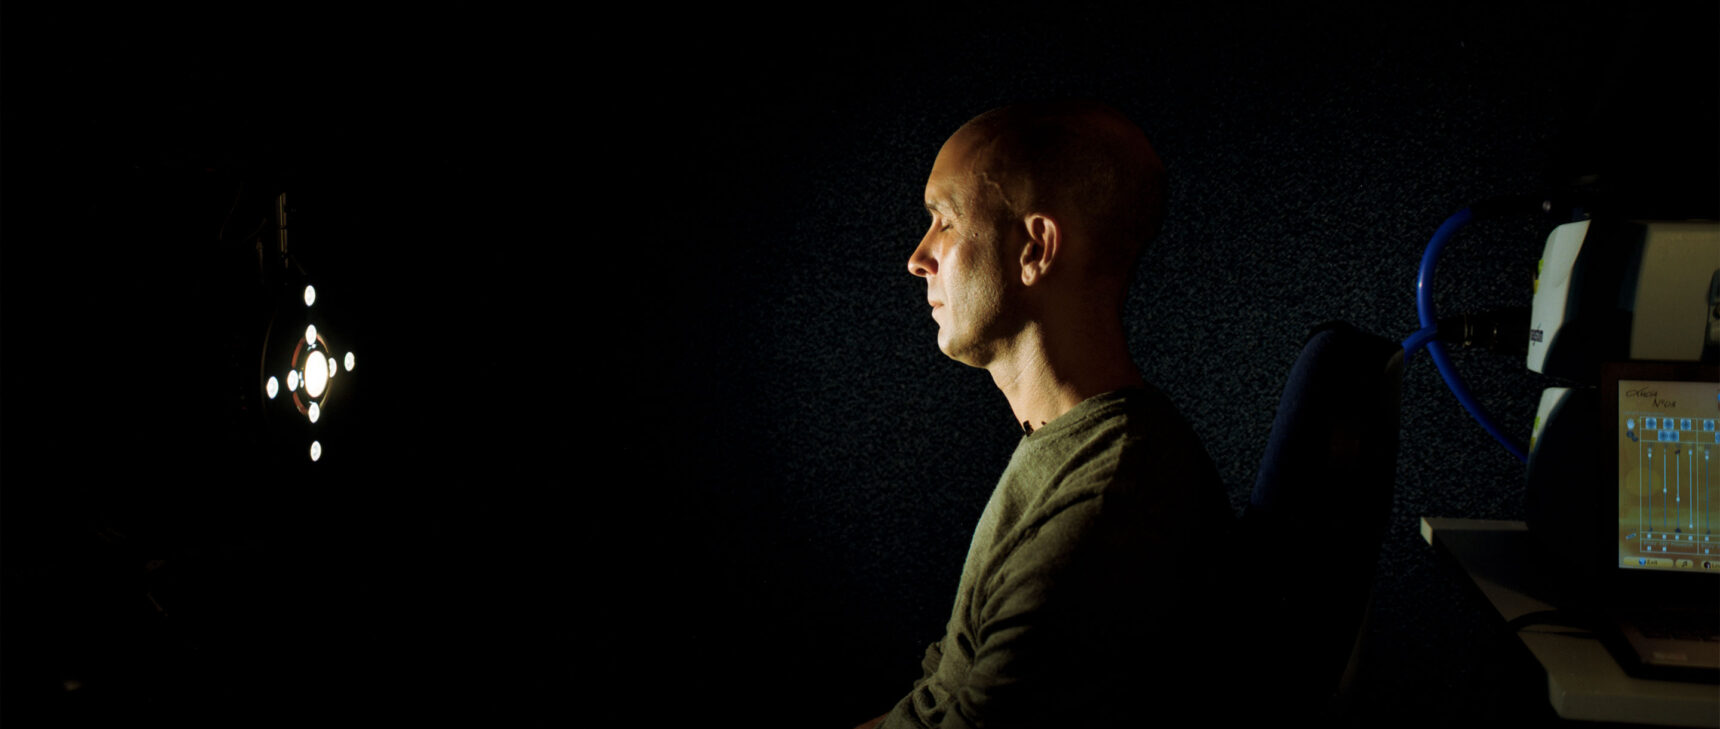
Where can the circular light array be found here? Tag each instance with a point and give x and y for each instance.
(313, 365)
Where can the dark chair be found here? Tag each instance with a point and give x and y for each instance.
(1315, 521)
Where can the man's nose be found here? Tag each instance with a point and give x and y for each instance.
(921, 263)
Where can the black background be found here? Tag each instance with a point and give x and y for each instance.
(649, 424)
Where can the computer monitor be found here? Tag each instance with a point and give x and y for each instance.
(1664, 422)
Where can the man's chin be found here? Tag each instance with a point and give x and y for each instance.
(947, 347)
(964, 355)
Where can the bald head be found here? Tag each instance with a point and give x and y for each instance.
(1080, 162)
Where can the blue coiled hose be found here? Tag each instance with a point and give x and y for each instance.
(1430, 328)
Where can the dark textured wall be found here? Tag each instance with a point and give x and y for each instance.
(657, 430)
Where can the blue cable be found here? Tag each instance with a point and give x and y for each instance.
(1430, 327)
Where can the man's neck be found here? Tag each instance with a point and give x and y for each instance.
(1046, 376)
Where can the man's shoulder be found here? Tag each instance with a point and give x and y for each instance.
(1126, 430)
(1140, 412)
(1129, 447)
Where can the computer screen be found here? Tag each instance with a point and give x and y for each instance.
(1668, 432)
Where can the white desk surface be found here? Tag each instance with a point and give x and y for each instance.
(1583, 680)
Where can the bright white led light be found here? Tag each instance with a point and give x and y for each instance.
(272, 387)
(311, 336)
(332, 367)
(349, 361)
(316, 374)
(316, 450)
(314, 411)
(310, 295)
(292, 380)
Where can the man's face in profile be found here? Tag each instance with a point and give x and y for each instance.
(961, 258)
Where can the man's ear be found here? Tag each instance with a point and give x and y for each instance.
(1040, 251)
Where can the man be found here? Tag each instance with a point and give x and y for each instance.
(1074, 600)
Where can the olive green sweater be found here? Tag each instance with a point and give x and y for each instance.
(1074, 598)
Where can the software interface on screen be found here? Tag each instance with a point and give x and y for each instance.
(1667, 502)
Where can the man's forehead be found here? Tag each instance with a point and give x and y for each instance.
(943, 200)
(952, 171)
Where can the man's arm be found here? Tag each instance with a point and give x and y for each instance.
(1071, 631)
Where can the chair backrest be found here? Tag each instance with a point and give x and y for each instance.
(1320, 504)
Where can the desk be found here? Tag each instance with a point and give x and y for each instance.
(1583, 680)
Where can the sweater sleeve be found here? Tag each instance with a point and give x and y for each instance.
(1067, 626)
(906, 714)
(934, 656)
